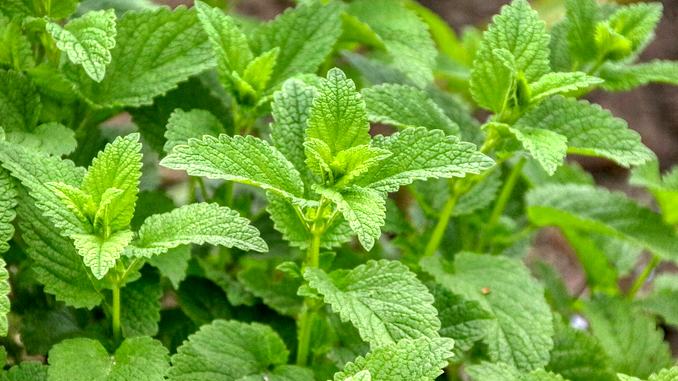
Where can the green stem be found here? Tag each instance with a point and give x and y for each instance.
(117, 332)
(639, 282)
(305, 321)
(441, 226)
(203, 189)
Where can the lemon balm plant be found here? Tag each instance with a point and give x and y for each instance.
(312, 198)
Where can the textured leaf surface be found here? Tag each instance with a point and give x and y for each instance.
(173, 264)
(516, 30)
(26, 371)
(635, 346)
(521, 334)
(231, 350)
(88, 40)
(670, 374)
(593, 209)
(621, 77)
(582, 16)
(337, 115)
(663, 300)
(184, 125)
(305, 36)
(417, 360)
(406, 106)
(589, 129)
(100, 254)
(140, 310)
(419, 154)
(53, 138)
(8, 200)
(275, 289)
(140, 358)
(363, 208)
(5, 290)
(154, 51)
(504, 372)
(196, 223)
(547, 147)
(562, 83)
(382, 299)
(404, 35)
(244, 159)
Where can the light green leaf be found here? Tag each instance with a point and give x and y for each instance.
(353, 162)
(78, 202)
(409, 359)
(16, 50)
(419, 154)
(382, 299)
(52, 138)
(173, 264)
(196, 223)
(363, 375)
(582, 16)
(259, 71)
(5, 290)
(623, 77)
(663, 188)
(406, 106)
(363, 208)
(26, 371)
(404, 35)
(100, 254)
(662, 300)
(140, 358)
(590, 130)
(503, 372)
(184, 125)
(243, 159)
(670, 374)
(140, 310)
(547, 147)
(117, 166)
(591, 209)
(154, 51)
(562, 83)
(8, 200)
(88, 40)
(231, 350)
(634, 345)
(636, 23)
(337, 115)
(518, 30)
(305, 36)
(521, 334)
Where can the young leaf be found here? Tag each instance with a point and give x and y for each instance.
(561, 83)
(8, 200)
(517, 30)
(503, 372)
(196, 223)
(546, 147)
(382, 299)
(337, 115)
(99, 253)
(305, 35)
(521, 334)
(623, 77)
(231, 350)
(404, 35)
(406, 106)
(88, 40)
(140, 358)
(589, 129)
(582, 16)
(587, 208)
(636, 23)
(363, 208)
(409, 359)
(154, 51)
(117, 166)
(243, 159)
(419, 154)
(184, 125)
(635, 346)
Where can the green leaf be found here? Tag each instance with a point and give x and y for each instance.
(228, 42)
(522, 330)
(382, 299)
(363, 375)
(117, 166)
(258, 72)
(635, 346)
(545, 146)
(173, 264)
(337, 115)
(363, 208)
(100, 254)
(624, 77)
(504, 372)
(196, 223)
(275, 289)
(590, 130)
(52, 138)
(577, 356)
(154, 51)
(5, 290)
(290, 109)
(409, 359)
(19, 102)
(662, 300)
(140, 358)
(88, 40)
(406, 106)
(243, 159)
(562, 83)
(140, 310)
(589, 209)
(305, 36)
(636, 23)
(663, 375)
(404, 35)
(8, 200)
(517, 30)
(26, 371)
(419, 154)
(582, 16)
(231, 350)
(663, 188)
(184, 125)
(15, 48)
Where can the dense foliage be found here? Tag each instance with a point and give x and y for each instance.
(314, 198)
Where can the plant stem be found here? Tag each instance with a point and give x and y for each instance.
(203, 189)
(305, 321)
(441, 226)
(117, 333)
(639, 282)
